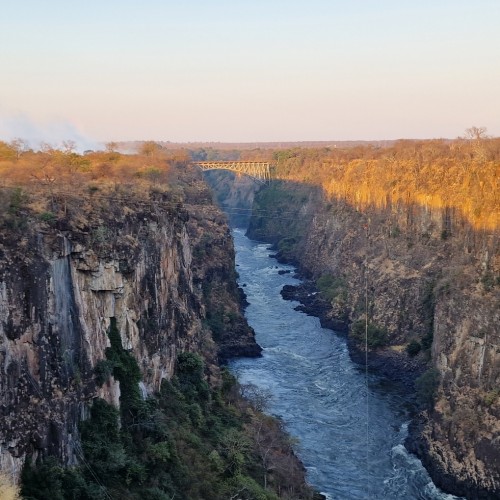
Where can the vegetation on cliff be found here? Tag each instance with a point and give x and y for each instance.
(53, 185)
(189, 441)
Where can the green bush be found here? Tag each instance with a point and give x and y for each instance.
(395, 231)
(488, 281)
(189, 369)
(491, 396)
(428, 309)
(102, 371)
(331, 287)
(215, 321)
(126, 370)
(246, 488)
(427, 339)
(413, 348)
(48, 217)
(287, 245)
(426, 386)
(18, 198)
(42, 481)
(375, 336)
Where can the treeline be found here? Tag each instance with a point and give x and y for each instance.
(463, 174)
(55, 167)
(54, 184)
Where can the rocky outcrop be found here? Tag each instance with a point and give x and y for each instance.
(313, 304)
(214, 277)
(135, 262)
(424, 277)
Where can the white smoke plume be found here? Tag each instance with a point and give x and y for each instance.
(53, 132)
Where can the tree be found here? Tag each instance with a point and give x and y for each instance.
(476, 133)
(7, 152)
(274, 450)
(47, 148)
(69, 146)
(426, 386)
(149, 148)
(20, 146)
(476, 136)
(111, 146)
(235, 447)
(257, 397)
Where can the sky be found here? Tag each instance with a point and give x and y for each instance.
(244, 71)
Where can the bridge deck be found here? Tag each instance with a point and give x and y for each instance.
(258, 169)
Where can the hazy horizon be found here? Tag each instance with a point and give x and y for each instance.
(242, 73)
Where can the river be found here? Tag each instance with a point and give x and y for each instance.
(350, 432)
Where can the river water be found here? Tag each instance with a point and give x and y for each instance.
(350, 433)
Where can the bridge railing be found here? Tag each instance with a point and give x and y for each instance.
(260, 170)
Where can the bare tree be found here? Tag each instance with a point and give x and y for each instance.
(258, 398)
(69, 146)
(19, 145)
(476, 133)
(476, 137)
(149, 148)
(273, 448)
(111, 147)
(46, 147)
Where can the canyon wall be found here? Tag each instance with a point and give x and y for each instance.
(234, 193)
(150, 264)
(429, 285)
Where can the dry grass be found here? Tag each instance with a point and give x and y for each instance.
(8, 491)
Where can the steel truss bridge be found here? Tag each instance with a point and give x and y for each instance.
(260, 170)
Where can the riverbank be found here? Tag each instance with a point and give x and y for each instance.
(390, 363)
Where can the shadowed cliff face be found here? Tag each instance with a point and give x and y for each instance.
(234, 193)
(61, 285)
(429, 279)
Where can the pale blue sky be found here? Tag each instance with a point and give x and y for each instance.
(248, 70)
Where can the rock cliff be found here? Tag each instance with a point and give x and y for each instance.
(429, 284)
(153, 265)
(234, 193)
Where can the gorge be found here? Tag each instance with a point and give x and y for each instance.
(119, 301)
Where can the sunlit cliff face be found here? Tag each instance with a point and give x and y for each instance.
(457, 176)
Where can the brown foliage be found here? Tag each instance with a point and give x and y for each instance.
(53, 180)
(65, 190)
(461, 174)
